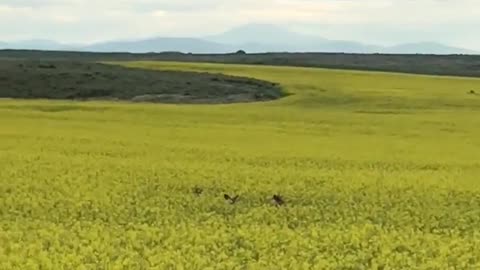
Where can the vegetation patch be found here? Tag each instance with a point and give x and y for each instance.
(457, 65)
(30, 79)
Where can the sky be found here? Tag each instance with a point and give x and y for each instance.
(383, 22)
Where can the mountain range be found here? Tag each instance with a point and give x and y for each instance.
(252, 38)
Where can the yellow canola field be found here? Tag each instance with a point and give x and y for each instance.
(377, 171)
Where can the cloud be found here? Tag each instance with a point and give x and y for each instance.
(93, 20)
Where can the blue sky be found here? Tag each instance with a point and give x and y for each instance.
(386, 22)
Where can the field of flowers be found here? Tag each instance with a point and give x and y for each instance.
(373, 171)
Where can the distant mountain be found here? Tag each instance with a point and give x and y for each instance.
(264, 34)
(426, 48)
(35, 44)
(348, 47)
(252, 38)
(186, 45)
(271, 38)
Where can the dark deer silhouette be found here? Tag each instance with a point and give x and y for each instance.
(197, 191)
(278, 200)
(232, 200)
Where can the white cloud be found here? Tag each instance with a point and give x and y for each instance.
(93, 20)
